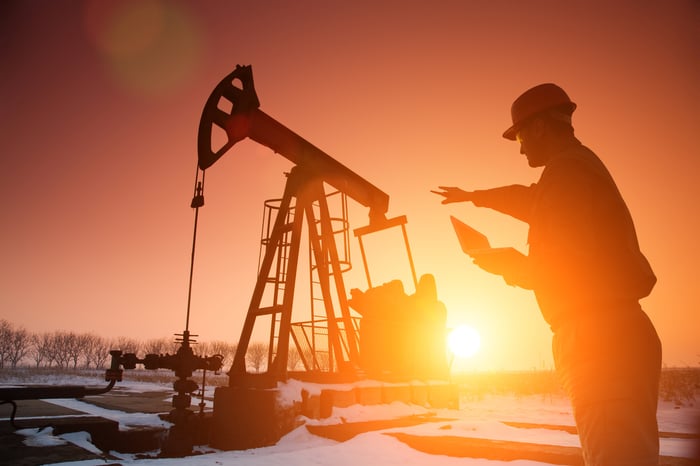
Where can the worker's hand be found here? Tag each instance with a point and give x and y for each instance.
(507, 262)
(452, 194)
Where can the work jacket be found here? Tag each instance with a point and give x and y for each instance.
(584, 257)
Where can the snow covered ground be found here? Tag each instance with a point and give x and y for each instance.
(478, 417)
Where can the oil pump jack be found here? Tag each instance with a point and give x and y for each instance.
(328, 343)
(400, 337)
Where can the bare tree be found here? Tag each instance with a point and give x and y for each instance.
(127, 345)
(41, 348)
(95, 350)
(76, 348)
(59, 351)
(100, 352)
(317, 359)
(256, 355)
(293, 358)
(324, 360)
(202, 348)
(225, 349)
(160, 346)
(20, 344)
(5, 341)
(90, 343)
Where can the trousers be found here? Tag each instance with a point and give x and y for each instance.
(609, 363)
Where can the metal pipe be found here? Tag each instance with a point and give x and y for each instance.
(50, 392)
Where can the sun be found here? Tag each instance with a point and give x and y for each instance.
(464, 341)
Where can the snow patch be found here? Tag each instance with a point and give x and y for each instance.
(83, 440)
(41, 437)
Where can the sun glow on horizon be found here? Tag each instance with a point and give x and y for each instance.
(464, 341)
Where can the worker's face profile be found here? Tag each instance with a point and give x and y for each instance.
(528, 137)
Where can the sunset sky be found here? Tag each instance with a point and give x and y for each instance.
(100, 104)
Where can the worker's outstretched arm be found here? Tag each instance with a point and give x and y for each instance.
(514, 200)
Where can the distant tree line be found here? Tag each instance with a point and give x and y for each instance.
(67, 349)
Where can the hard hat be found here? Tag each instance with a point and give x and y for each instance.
(536, 100)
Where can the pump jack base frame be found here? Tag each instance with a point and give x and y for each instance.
(253, 417)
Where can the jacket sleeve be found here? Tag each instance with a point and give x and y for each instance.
(514, 200)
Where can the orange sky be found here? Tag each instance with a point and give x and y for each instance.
(100, 104)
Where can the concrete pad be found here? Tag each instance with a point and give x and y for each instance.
(419, 395)
(310, 405)
(369, 395)
(129, 402)
(391, 393)
(331, 398)
(35, 408)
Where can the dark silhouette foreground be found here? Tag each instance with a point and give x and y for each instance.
(588, 275)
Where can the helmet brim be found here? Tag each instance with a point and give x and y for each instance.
(511, 133)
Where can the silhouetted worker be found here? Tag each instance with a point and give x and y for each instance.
(588, 275)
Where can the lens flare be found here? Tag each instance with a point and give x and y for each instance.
(464, 341)
(150, 47)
